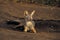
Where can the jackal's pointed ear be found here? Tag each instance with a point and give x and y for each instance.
(25, 13)
(32, 12)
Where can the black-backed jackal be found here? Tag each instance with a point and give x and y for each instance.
(29, 23)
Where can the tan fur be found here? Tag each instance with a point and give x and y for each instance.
(29, 24)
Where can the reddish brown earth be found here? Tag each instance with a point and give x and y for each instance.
(12, 11)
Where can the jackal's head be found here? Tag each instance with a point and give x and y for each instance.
(29, 16)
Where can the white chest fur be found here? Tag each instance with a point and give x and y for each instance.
(30, 23)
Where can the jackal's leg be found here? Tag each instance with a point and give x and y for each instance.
(33, 29)
(25, 29)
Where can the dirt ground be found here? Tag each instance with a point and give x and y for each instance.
(45, 17)
(6, 34)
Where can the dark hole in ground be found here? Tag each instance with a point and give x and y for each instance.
(18, 28)
(41, 25)
(48, 25)
(12, 22)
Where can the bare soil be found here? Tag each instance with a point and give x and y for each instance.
(45, 17)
